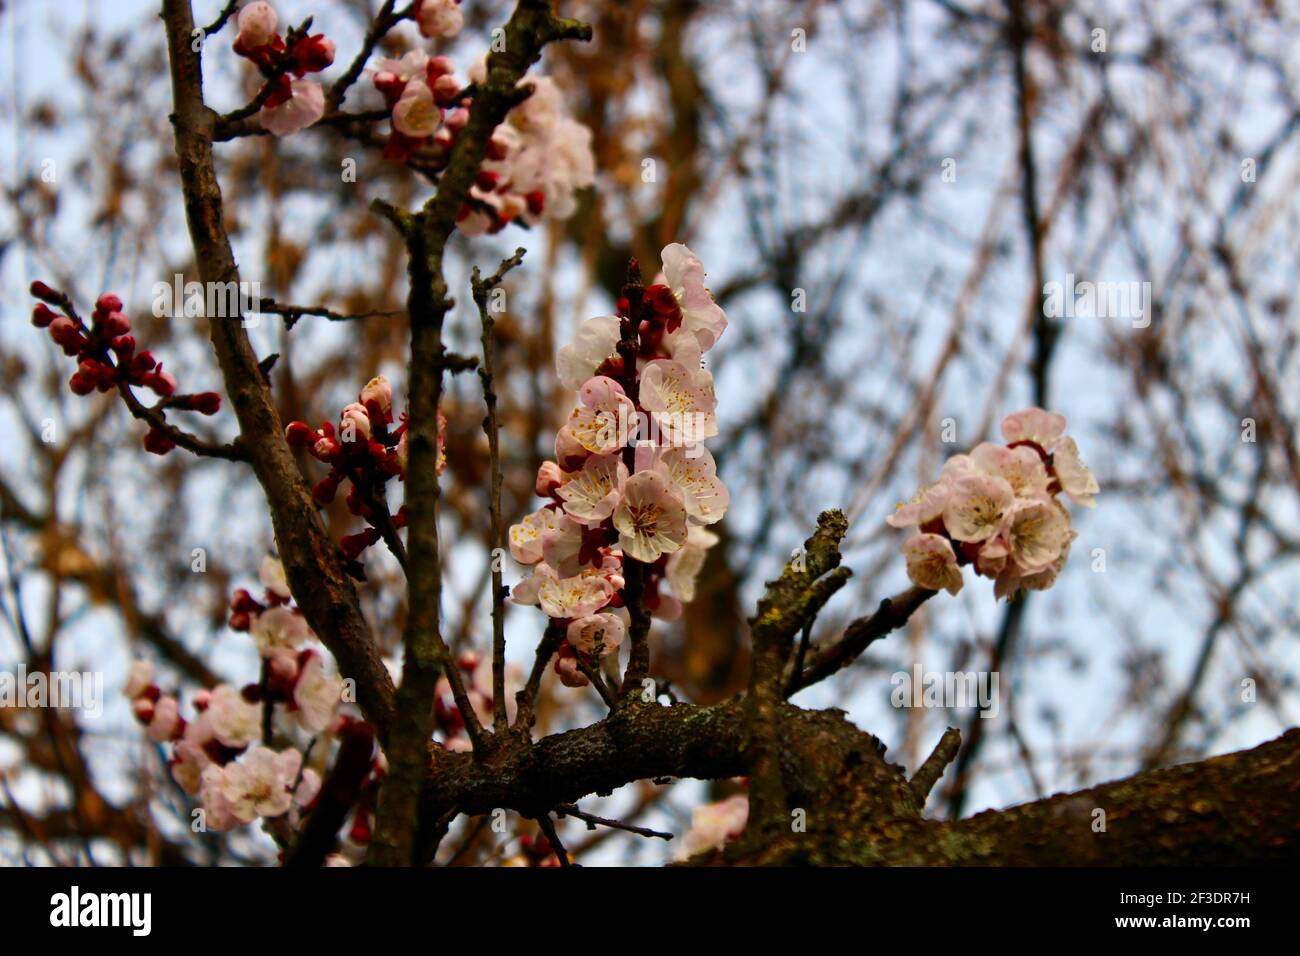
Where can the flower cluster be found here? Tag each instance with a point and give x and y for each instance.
(997, 509)
(421, 92)
(537, 160)
(107, 358)
(221, 754)
(609, 503)
(367, 452)
(478, 684)
(293, 103)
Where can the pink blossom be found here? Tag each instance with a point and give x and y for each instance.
(549, 479)
(577, 596)
(682, 410)
(1075, 478)
(700, 314)
(685, 563)
(976, 506)
(569, 672)
(416, 114)
(562, 547)
(651, 518)
(304, 106)
(259, 784)
(316, 694)
(439, 18)
(234, 721)
(596, 635)
(1033, 424)
(526, 536)
(594, 342)
(279, 628)
(354, 423)
(592, 494)
(271, 575)
(926, 505)
(932, 563)
(602, 422)
(1036, 533)
(713, 824)
(1022, 467)
(166, 720)
(379, 391)
(693, 472)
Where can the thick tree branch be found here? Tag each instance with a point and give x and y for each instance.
(311, 559)
(531, 26)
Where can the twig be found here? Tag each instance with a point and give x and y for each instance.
(544, 821)
(221, 19)
(292, 313)
(481, 288)
(928, 774)
(593, 821)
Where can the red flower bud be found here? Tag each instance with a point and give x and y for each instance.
(360, 832)
(241, 602)
(439, 66)
(43, 315)
(300, 435)
(497, 149)
(312, 54)
(353, 544)
(123, 346)
(115, 324)
(157, 442)
(326, 488)
(108, 303)
(536, 202)
(205, 403)
(486, 180)
(445, 90)
(163, 383)
(240, 621)
(63, 329)
(82, 383)
(42, 291)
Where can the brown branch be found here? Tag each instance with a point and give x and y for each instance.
(928, 774)
(531, 26)
(593, 821)
(316, 576)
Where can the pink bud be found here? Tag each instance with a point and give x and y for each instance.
(445, 89)
(107, 303)
(257, 23)
(115, 324)
(379, 391)
(549, 477)
(43, 315)
(143, 710)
